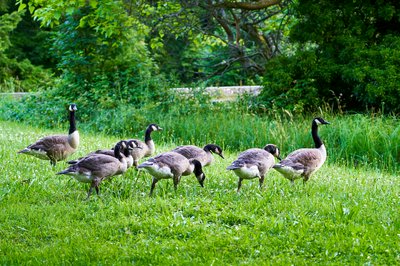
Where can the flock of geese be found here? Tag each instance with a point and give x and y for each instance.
(181, 161)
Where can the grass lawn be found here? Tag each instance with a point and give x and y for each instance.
(341, 216)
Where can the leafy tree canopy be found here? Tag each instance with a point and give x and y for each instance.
(347, 55)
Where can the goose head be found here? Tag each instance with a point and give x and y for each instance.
(72, 107)
(320, 121)
(198, 171)
(154, 127)
(119, 149)
(132, 144)
(273, 149)
(214, 149)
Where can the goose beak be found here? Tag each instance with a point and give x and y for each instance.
(279, 158)
(326, 123)
(220, 154)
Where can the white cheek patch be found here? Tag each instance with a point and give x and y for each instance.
(154, 128)
(317, 122)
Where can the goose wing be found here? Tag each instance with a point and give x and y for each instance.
(99, 165)
(49, 142)
(306, 160)
(190, 151)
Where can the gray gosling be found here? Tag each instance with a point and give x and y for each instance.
(203, 155)
(302, 163)
(254, 163)
(95, 168)
(146, 148)
(57, 147)
(172, 165)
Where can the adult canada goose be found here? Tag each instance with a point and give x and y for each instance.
(172, 165)
(146, 148)
(304, 162)
(254, 163)
(58, 147)
(97, 167)
(130, 144)
(203, 155)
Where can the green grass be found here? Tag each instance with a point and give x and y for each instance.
(343, 215)
(353, 140)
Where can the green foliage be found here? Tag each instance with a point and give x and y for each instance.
(289, 85)
(101, 69)
(17, 75)
(348, 58)
(343, 215)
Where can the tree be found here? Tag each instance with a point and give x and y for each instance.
(223, 37)
(348, 53)
(100, 51)
(16, 72)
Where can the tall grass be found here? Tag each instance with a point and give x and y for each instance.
(343, 215)
(352, 140)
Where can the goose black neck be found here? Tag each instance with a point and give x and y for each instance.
(72, 123)
(126, 152)
(198, 170)
(147, 135)
(314, 132)
(117, 152)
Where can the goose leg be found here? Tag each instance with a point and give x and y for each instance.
(239, 184)
(95, 185)
(261, 180)
(153, 185)
(176, 182)
(92, 185)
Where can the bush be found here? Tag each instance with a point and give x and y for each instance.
(347, 57)
(18, 75)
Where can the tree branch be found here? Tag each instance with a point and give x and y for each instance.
(261, 4)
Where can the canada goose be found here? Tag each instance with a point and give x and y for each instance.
(172, 165)
(57, 147)
(146, 148)
(130, 144)
(304, 162)
(203, 155)
(98, 167)
(254, 163)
